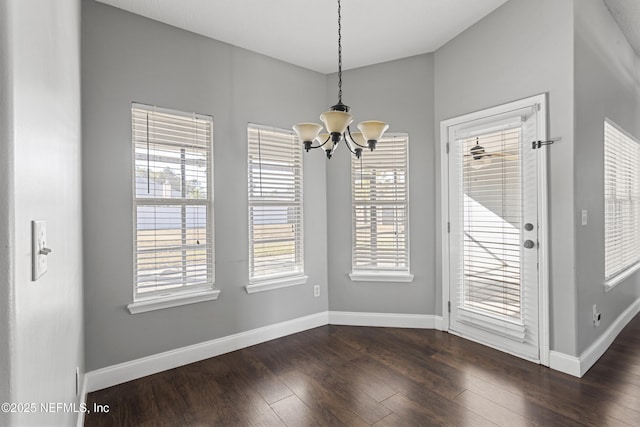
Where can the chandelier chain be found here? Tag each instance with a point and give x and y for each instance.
(337, 120)
(339, 54)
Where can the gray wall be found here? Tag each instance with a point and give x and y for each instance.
(523, 48)
(607, 84)
(128, 58)
(40, 43)
(400, 93)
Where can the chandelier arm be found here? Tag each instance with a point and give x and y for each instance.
(320, 146)
(357, 151)
(353, 140)
(346, 142)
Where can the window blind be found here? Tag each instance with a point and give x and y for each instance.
(275, 204)
(621, 200)
(380, 216)
(173, 238)
(492, 209)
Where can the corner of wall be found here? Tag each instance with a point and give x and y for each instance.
(6, 213)
(606, 85)
(579, 366)
(42, 326)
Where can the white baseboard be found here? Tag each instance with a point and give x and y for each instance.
(591, 355)
(578, 366)
(134, 369)
(564, 363)
(388, 320)
(127, 371)
(439, 323)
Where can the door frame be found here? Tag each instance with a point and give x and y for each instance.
(540, 102)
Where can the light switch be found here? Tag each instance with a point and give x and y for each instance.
(39, 248)
(585, 216)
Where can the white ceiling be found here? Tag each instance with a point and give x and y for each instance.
(304, 32)
(627, 14)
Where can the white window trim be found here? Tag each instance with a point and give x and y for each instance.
(172, 300)
(621, 277)
(373, 276)
(382, 275)
(178, 296)
(268, 285)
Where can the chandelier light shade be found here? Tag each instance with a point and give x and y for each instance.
(323, 137)
(358, 138)
(328, 145)
(307, 132)
(372, 130)
(337, 121)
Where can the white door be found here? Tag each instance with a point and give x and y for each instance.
(493, 226)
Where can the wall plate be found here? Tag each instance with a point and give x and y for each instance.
(39, 251)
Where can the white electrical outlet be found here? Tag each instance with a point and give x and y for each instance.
(39, 249)
(585, 216)
(596, 316)
(316, 291)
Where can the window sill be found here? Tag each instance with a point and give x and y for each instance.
(620, 277)
(269, 285)
(362, 276)
(172, 301)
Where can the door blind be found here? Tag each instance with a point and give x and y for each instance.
(173, 238)
(492, 209)
(276, 247)
(621, 200)
(379, 187)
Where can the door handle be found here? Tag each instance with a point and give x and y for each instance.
(529, 244)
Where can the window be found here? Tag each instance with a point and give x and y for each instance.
(274, 167)
(621, 204)
(173, 236)
(379, 188)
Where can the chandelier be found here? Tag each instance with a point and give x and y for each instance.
(337, 120)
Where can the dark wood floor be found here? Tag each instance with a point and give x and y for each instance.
(356, 376)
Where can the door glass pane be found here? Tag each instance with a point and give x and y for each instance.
(492, 212)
